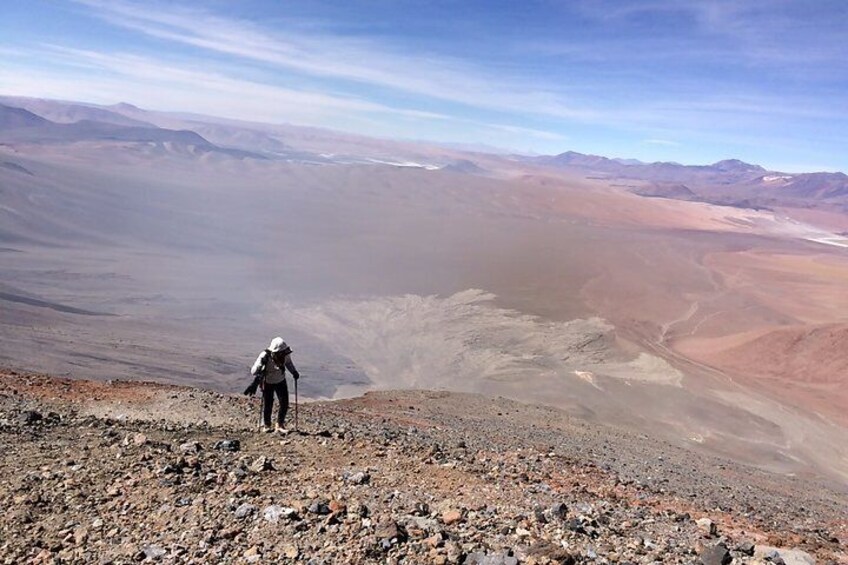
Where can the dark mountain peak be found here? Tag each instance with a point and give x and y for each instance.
(17, 124)
(464, 166)
(70, 113)
(677, 191)
(579, 159)
(578, 156)
(818, 186)
(125, 106)
(13, 118)
(15, 167)
(736, 166)
(103, 130)
(824, 175)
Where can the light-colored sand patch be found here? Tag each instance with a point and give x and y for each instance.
(795, 229)
(588, 377)
(835, 240)
(461, 341)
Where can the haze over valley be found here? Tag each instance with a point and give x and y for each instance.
(702, 304)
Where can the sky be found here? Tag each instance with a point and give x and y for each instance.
(691, 81)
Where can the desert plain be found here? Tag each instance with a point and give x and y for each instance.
(394, 265)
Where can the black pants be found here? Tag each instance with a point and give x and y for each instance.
(281, 389)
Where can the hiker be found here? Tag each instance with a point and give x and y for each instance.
(269, 373)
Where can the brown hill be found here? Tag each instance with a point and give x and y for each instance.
(816, 355)
(805, 365)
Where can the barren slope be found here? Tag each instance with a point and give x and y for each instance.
(148, 260)
(128, 471)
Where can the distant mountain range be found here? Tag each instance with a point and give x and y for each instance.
(70, 112)
(18, 125)
(730, 182)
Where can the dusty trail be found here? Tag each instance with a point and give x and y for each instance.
(667, 326)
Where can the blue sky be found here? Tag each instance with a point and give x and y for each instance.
(689, 81)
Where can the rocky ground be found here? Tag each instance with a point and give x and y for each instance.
(135, 472)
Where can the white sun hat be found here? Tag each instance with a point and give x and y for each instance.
(277, 344)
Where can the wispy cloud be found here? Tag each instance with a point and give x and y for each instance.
(790, 35)
(324, 54)
(315, 51)
(169, 85)
(146, 71)
(779, 32)
(604, 75)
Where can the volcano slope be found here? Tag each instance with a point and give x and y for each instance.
(118, 472)
(177, 263)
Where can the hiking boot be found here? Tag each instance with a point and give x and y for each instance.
(281, 429)
(265, 429)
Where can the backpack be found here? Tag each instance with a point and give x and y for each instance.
(258, 374)
(262, 370)
(267, 357)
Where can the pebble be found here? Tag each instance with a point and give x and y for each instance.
(191, 447)
(275, 512)
(716, 555)
(227, 445)
(787, 555)
(153, 552)
(480, 558)
(360, 478)
(252, 555)
(261, 464)
(559, 511)
(450, 517)
(707, 526)
(319, 507)
(370, 495)
(245, 510)
(29, 417)
(387, 529)
(745, 548)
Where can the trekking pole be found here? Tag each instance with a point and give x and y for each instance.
(261, 409)
(295, 407)
(262, 403)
